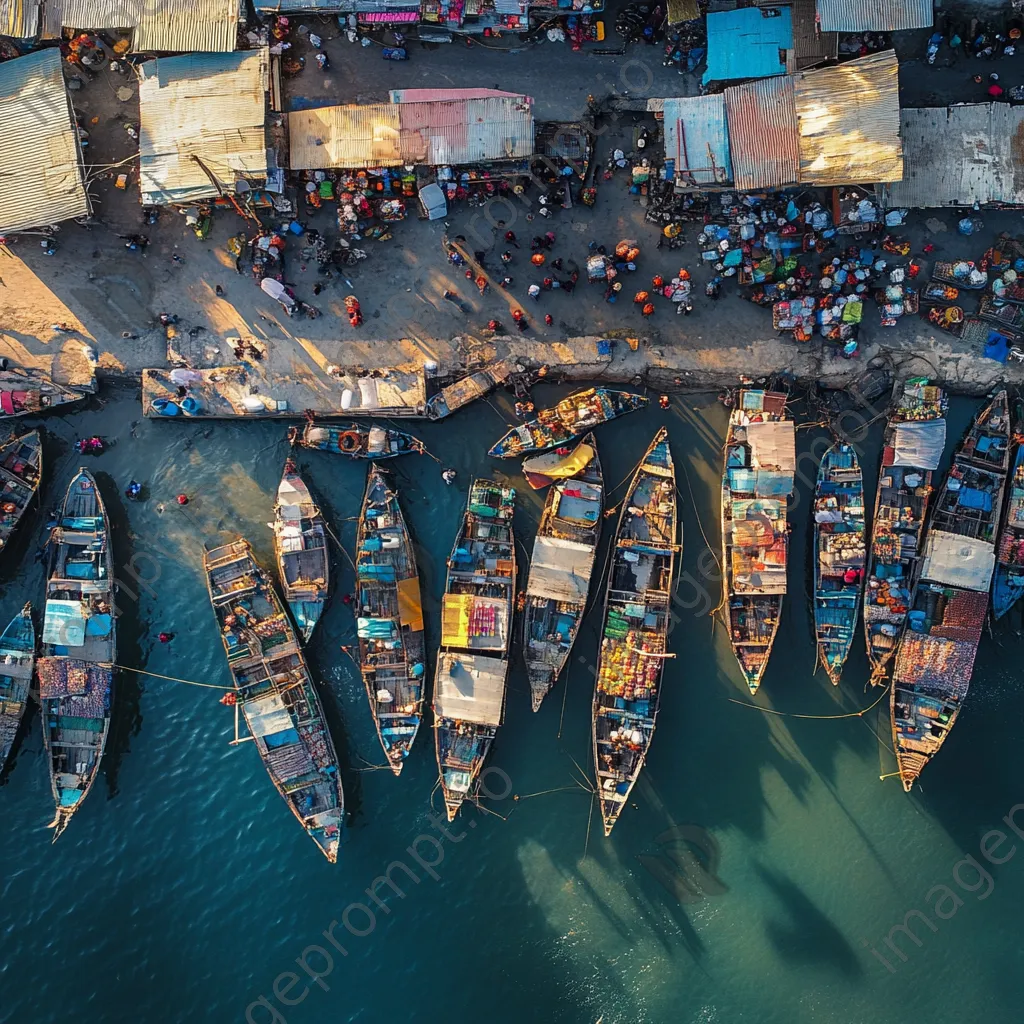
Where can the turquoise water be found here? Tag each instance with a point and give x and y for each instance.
(185, 891)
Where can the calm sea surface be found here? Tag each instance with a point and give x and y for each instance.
(185, 891)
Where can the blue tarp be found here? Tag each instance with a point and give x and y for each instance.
(997, 347)
(748, 44)
(97, 625)
(281, 739)
(969, 497)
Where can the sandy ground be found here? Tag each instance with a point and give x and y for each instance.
(96, 284)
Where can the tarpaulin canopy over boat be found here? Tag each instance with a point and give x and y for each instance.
(920, 444)
(469, 620)
(541, 470)
(560, 569)
(470, 688)
(773, 445)
(958, 561)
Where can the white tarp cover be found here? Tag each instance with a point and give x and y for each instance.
(267, 716)
(560, 569)
(957, 561)
(920, 444)
(773, 445)
(470, 687)
(64, 624)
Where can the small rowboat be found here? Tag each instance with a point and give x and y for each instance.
(17, 656)
(21, 468)
(355, 441)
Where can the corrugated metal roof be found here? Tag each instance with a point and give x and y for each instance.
(811, 46)
(697, 140)
(19, 19)
(467, 131)
(875, 15)
(96, 14)
(681, 10)
(209, 105)
(849, 122)
(442, 95)
(389, 134)
(40, 170)
(290, 6)
(176, 25)
(748, 43)
(763, 134)
(957, 156)
(344, 136)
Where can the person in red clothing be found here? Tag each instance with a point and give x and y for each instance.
(995, 90)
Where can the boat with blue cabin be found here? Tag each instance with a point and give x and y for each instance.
(840, 553)
(935, 658)
(634, 635)
(17, 658)
(760, 461)
(562, 564)
(75, 670)
(389, 622)
(275, 693)
(476, 626)
(300, 546)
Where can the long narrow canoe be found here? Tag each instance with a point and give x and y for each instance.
(476, 624)
(627, 693)
(275, 693)
(390, 620)
(840, 554)
(569, 419)
(21, 469)
(561, 568)
(760, 460)
(1008, 583)
(300, 544)
(17, 658)
(356, 441)
(912, 448)
(936, 653)
(76, 668)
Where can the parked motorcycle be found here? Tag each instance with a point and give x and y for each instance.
(394, 53)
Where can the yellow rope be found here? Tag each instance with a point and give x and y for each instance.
(790, 714)
(173, 679)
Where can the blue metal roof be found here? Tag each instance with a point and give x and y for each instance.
(697, 140)
(747, 44)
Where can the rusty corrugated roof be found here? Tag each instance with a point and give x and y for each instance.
(40, 170)
(443, 95)
(763, 136)
(811, 45)
(169, 26)
(875, 15)
(19, 19)
(350, 136)
(848, 117)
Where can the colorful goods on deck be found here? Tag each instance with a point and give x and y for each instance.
(561, 567)
(275, 693)
(300, 545)
(627, 693)
(21, 468)
(760, 461)
(915, 437)
(840, 552)
(573, 416)
(389, 624)
(472, 664)
(936, 654)
(75, 670)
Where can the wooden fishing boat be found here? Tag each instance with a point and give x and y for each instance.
(21, 469)
(561, 567)
(476, 623)
(912, 447)
(573, 416)
(390, 620)
(840, 555)
(543, 470)
(760, 460)
(1008, 582)
(17, 658)
(300, 545)
(31, 393)
(75, 671)
(275, 693)
(356, 441)
(627, 693)
(935, 657)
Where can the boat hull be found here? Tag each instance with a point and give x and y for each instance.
(1008, 583)
(21, 470)
(634, 635)
(275, 693)
(17, 660)
(358, 442)
(75, 672)
(389, 613)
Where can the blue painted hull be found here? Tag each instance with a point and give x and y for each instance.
(1008, 583)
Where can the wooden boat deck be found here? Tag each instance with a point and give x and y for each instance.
(560, 572)
(21, 468)
(1008, 584)
(17, 659)
(276, 694)
(627, 693)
